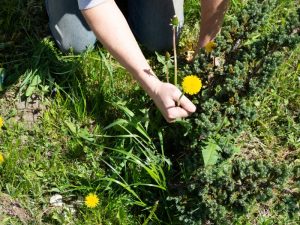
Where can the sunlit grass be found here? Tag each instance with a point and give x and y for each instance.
(97, 133)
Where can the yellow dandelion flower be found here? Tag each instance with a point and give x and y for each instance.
(210, 46)
(191, 84)
(91, 200)
(1, 158)
(1, 122)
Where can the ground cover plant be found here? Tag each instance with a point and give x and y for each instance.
(81, 143)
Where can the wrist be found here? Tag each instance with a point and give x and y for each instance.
(150, 83)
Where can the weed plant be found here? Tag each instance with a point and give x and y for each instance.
(217, 184)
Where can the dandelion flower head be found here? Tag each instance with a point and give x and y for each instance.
(191, 84)
(1, 122)
(210, 46)
(91, 200)
(1, 158)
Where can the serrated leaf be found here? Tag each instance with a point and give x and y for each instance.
(29, 91)
(72, 127)
(160, 58)
(210, 154)
(86, 135)
(36, 80)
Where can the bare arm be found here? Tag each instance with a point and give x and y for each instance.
(112, 30)
(212, 15)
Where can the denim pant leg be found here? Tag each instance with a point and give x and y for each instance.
(150, 22)
(68, 26)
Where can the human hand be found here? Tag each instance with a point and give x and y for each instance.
(166, 97)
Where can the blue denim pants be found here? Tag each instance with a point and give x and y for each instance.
(149, 21)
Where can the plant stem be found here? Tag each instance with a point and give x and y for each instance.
(175, 55)
(167, 72)
(178, 102)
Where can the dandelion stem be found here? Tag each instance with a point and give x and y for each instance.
(175, 55)
(178, 102)
(167, 72)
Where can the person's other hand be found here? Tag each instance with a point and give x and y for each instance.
(166, 98)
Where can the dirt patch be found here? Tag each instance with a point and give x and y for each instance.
(11, 207)
(28, 111)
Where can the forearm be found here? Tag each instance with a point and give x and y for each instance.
(212, 15)
(112, 30)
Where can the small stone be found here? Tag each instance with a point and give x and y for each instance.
(56, 200)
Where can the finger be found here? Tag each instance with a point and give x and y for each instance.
(186, 104)
(175, 113)
(196, 51)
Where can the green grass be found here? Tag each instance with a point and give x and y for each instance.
(279, 104)
(275, 135)
(97, 131)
